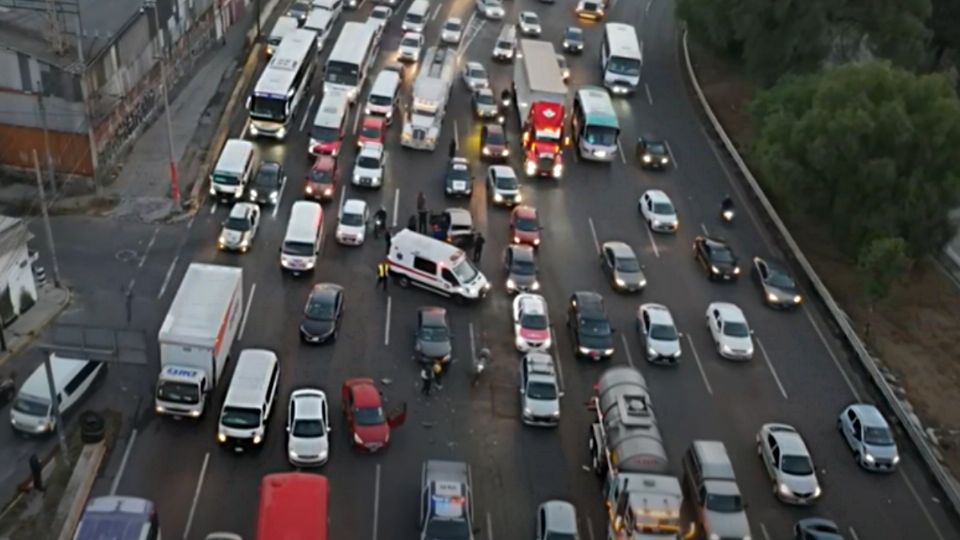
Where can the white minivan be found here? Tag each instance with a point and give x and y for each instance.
(72, 378)
(235, 167)
(416, 259)
(384, 96)
(301, 243)
(415, 20)
(246, 409)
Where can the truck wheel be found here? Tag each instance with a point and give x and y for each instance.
(403, 281)
(92, 427)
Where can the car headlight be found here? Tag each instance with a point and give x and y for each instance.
(896, 459)
(651, 351)
(817, 492)
(608, 352)
(530, 168)
(366, 110)
(535, 286)
(308, 189)
(558, 170)
(160, 409)
(664, 160)
(726, 349)
(714, 269)
(222, 437)
(293, 455)
(222, 241)
(797, 299)
(505, 153)
(497, 197)
(584, 350)
(771, 297)
(736, 270)
(643, 283)
(714, 536)
(555, 414)
(253, 194)
(620, 282)
(281, 133)
(536, 241)
(511, 284)
(785, 490)
(600, 153)
(647, 158)
(356, 177)
(868, 458)
(517, 197)
(274, 195)
(253, 129)
(257, 438)
(357, 439)
(195, 414)
(328, 192)
(516, 239)
(527, 412)
(213, 191)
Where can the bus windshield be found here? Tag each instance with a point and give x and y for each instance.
(619, 65)
(601, 135)
(271, 108)
(342, 73)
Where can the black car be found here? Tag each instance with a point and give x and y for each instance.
(457, 181)
(716, 257)
(815, 528)
(321, 316)
(493, 142)
(299, 11)
(572, 40)
(520, 264)
(589, 326)
(652, 152)
(433, 335)
(777, 285)
(267, 184)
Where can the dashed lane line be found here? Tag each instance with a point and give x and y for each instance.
(386, 330)
(593, 232)
(626, 349)
(196, 496)
(773, 371)
(696, 358)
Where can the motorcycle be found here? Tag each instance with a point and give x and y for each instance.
(727, 215)
(8, 390)
(480, 364)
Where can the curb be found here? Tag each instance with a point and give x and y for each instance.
(916, 434)
(17, 349)
(81, 481)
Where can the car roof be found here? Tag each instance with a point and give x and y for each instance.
(788, 439)
(522, 252)
(373, 120)
(242, 209)
(494, 128)
(354, 206)
(561, 517)
(588, 301)
(371, 149)
(533, 304)
(364, 391)
(324, 162)
(713, 241)
(659, 313)
(869, 415)
(529, 14)
(433, 315)
(307, 402)
(525, 211)
(620, 249)
(502, 170)
(657, 195)
(728, 311)
(457, 20)
(326, 289)
(460, 216)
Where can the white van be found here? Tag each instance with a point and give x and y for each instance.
(384, 97)
(329, 124)
(235, 167)
(415, 20)
(281, 28)
(321, 22)
(301, 243)
(72, 378)
(506, 45)
(415, 259)
(246, 409)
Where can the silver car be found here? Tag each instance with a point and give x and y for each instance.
(491, 9)
(622, 266)
(240, 227)
(660, 337)
(539, 391)
(557, 520)
(729, 330)
(484, 103)
(452, 31)
(788, 463)
(308, 426)
(368, 171)
(475, 76)
(869, 437)
(529, 24)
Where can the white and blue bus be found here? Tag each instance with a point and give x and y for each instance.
(621, 58)
(595, 126)
(351, 59)
(119, 518)
(282, 85)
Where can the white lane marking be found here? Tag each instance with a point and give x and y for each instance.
(396, 205)
(590, 528)
(306, 113)
(923, 507)
(213, 208)
(836, 361)
(676, 164)
(473, 345)
(376, 502)
(146, 252)
(464, 46)
(123, 462)
(456, 135)
(593, 232)
(703, 372)
(276, 205)
(343, 193)
(646, 87)
(489, 527)
(653, 242)
(763, 530)
(190, 223)
(854, 534)
(436, 11)
(623, 158)
(703, 227)
(166, 278)
(196, 496)
(556, 357)
(246, 312)
(356, 117)
(386, 330)
(766, 357)
(647, 9)
(626, 349)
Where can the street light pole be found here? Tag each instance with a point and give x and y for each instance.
(258, 20)
(174, 184)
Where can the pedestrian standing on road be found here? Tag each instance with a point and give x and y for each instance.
(382, 273)
(412, 223)
(438, 373)
(426, 380)
(36, 471)
(478, 248)
(386, 239)
(422, 212)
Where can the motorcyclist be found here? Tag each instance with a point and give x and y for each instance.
(379, 221)
(505, 97)
(727, 203)
(480, 364)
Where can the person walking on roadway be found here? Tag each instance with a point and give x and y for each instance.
(383, 271)
(426, 380)
(412, 223)
(438, 374)
(387, 240)
(478, 248)
(422, 212)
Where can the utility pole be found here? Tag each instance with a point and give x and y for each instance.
(46, 221)
(174, 184)
(54, 406)
(258, 20)
(46, 140)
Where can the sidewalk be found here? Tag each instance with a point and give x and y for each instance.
(51, 301)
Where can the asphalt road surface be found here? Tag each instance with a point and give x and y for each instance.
(799, 375)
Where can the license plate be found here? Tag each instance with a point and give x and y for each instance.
(460, 186)
(726, 277)
(364, 181)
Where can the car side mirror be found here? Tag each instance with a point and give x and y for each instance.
(751, 332)
(288, 429)
(560, 394)
(329, 429)
(679, 334)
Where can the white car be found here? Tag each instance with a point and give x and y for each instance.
(788, 463)
(564, 67)
(503, 185)
(308, 428)
(452, 31)
(240, 227)
(660, 337)
(869, 437)
(491, 9)
(529, 24)
(531, 323)
(730, 331)
(381, 15)
(658, 211)
(539, 391)
(352, 225)
(411, 47)
(475, 76)
(368, 171)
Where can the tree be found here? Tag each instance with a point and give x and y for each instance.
(711, 22)
(781, 36)
(894, 29)
(945, 25)
(883, 262)
(868, 149)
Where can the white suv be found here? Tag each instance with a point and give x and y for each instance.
(370, 166)
(352, 225)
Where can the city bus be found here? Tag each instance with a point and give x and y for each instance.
(595, 126)
(293, 506)
(352, 57)
(118, 518)
(621, 58)
(282, 85)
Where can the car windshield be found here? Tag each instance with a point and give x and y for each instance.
(624, 66)
(877, 436)
(494, 137)
(595, 327)
(529, 18)
(453, 26)
(240, 417)
(458, 172)
(268, 177)
(379, 14)
(663, 332)
(351, 220)
(527, 224)
(225, 179)
(506, 45)
(434, 333)
(721, 254)
(320, 309)
(298, 249)
(477, 73)
(368, 162)
(560, 536)
(321, 175)
(657, 148)
(485, 98)
(240, 224)
(601, 135)
(324, 134)
(308, 429)
(370, 132)
(32, 406)
(663, 209)
(507, 181)
(534, 322)
(369, 416)
(541, 390)
(448, 529)
(414, 18)
(781, 280)
(573, 34)
(628, 264)
(410, 42)
(179, 392)
(523, 268)
(724, 503)
(464, 272)
(736, 329)
(796, 465)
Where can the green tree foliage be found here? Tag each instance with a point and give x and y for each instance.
(895, 29)
(868, 149)
(712, 22)
(883, 262)
(781, 35)
(945, 25)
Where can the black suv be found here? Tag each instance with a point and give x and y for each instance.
(589, 326)
(458, 181)
(652, 152)
(716, 257)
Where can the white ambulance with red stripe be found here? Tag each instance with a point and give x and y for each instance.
(424, 262)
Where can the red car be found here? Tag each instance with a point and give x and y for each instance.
(321, 182)
(373, 129)
(368, 424)
(525, 226)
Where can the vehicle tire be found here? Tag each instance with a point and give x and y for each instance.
(403, 281)
(92, 427)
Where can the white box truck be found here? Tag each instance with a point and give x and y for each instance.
(196, 337)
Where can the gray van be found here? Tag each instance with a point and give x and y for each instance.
(713, 492)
